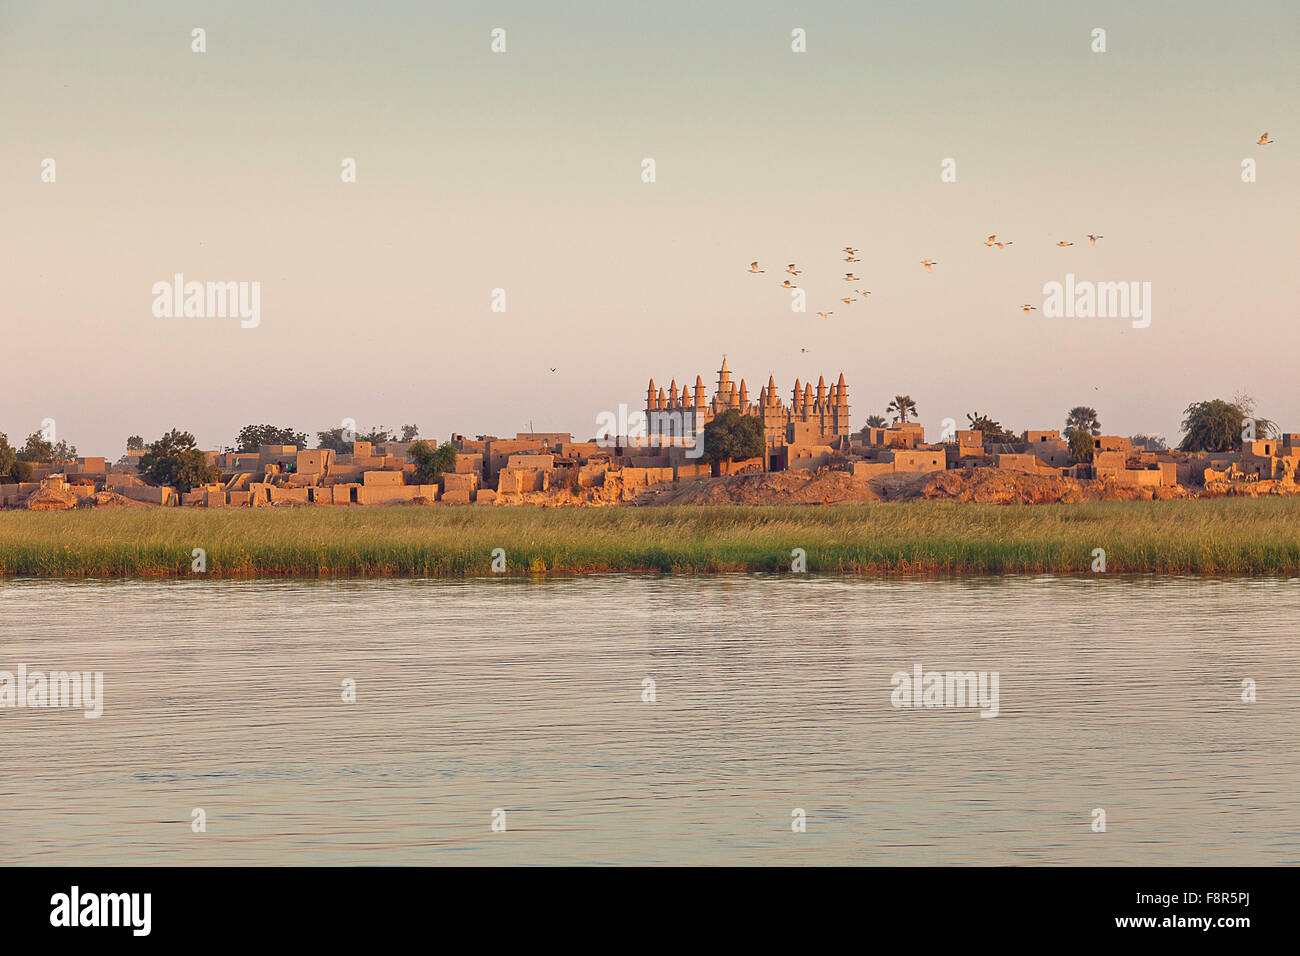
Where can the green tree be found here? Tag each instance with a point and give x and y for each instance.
(1214, 425)
(876, 421)
(174, 460)
(732, 436)
(410, 432)
(1081, 427)
(251, 437)
(62, 453)
(430, 462)
(1149, 442)
(12, 469)
(901, 407)
(992, 431)
(37, 449)
(135, 443)
(1081, 445)
(333, 439)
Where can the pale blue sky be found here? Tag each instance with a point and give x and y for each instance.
(522, 171)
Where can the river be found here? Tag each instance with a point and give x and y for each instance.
(769, 735)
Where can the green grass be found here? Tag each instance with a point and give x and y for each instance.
(1219, 536)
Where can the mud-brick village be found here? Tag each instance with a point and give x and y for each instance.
(694, 444)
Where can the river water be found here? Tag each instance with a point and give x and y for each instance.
(772, 704)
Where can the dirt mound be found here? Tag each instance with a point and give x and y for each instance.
(986, 485)
(110, 499)
(993, 486)
(773, 488)
(51, 499)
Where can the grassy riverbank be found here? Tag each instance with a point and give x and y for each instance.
(1221, 536)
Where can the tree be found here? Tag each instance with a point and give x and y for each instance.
(251, 437)
(991, 430)
(12, 469)
(1081, 445)
(1081, 417)
(1081, 427)
(62, 453)
(410, 432)
(876, 421)
(733, 435)
(135, 443)
(37, 449)
(901, 407)
(431, 462)
(332, 438)
(1149, 442)
(174, 460)
(376, 436)
(1217, 425)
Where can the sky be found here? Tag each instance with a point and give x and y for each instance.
(523, 171)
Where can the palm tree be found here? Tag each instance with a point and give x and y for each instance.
(1082, 418)
(901, 407)
(876, 421)
(1081, 426)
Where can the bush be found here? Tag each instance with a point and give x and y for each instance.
(732, 436)
(431, 462)
(173, 460)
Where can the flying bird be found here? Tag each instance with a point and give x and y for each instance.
(1265, 141)
(850, 251)
(787, 284)
(850, 277)
(862, 292)
(803, 350)
(1027, 308)
(825, 315)
(1065, 243)
(753, 267)
(1003, 245)
(848, 301)
(792, 270)
(851, 259)
(552, 370)
(991, 240)
(928, 263)
(1092, 240)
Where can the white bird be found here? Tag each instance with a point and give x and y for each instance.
(850, 277)
(825, 315)
(1063, 243)
(1092, 240)
(753, 267)
(928, 263)
(792, 270)
(1265, 141)
(1027, 308)
(787, 284)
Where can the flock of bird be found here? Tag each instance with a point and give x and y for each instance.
(993, 242)
(928, 264)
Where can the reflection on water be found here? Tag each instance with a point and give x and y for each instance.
(772, 694)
